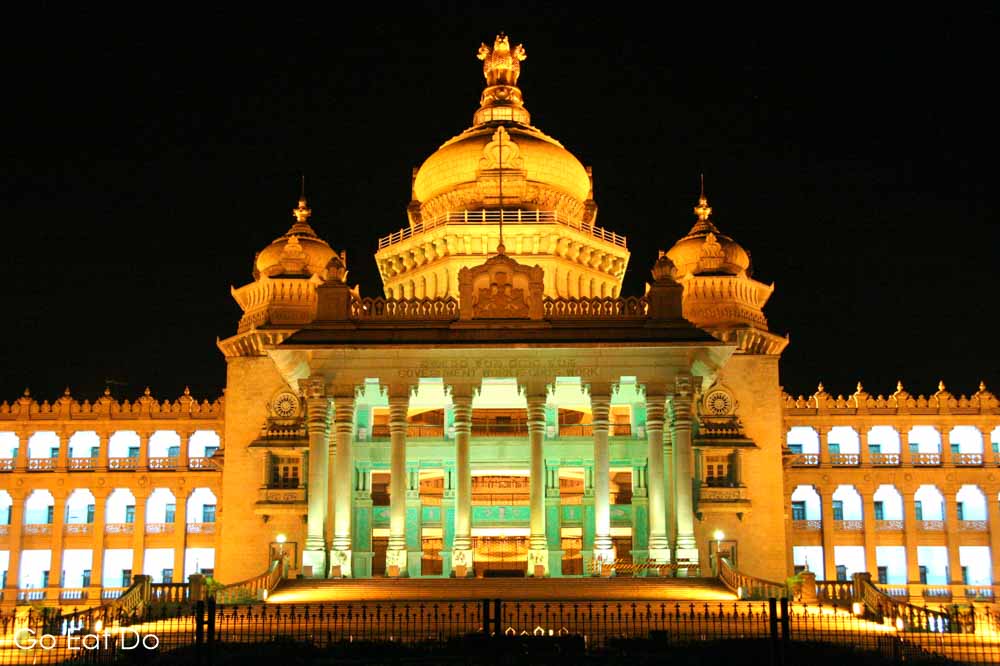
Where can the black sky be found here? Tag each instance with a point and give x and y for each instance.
(149, 154)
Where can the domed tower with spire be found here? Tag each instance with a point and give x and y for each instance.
(719, 294)
(502, 180)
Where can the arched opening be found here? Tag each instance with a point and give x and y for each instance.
(77, 568)
(806, 505)
(803, 441)
(84, 445)
(80, 507)
(847, 505)
(925, 445)
(971, 505)
(199, 560)
(928, 504)
(123, 449)
(6, 507)
(9, 444)
(117, 568)
(203, 444)
(42, 446)
(884, 445)
(159, 564)
(888, 506)
(966, 443)
(201, 507)
(164, 449)
(161, 508)
(39, 508)
(843, 439)
(120, 511)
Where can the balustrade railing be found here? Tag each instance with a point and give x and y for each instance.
(926, 459)
(903, 615)
(254, 589)
(804, 460)
(968, 459)
(845, 459)
(930, 525)
(123, 464)
(885, 459)
(621, 307)
(82, 464)
(4, 530)
(78, 529)
(37, 529)
(200, 464)
(41, 464)
(413, 431)
(119, 528)
(67, 594)
(517, 216)
(807, 525)
(972, 526)
(848, 525)
(201, 528)
(163, 464)
(888, 525)
(749, 587)
(499, 429)
(836, 592)
(174, 593)
(159, 528)
(396, 309)
(7, 464)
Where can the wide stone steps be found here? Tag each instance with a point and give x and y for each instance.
(523, 589)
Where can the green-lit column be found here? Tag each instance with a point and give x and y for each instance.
(318, 424)
(587, 519)
(461, 552)
(414, 527)
(363, 521)
(659, 545)
(687, 549)
(553, 522)
(343, 483)
(640, 512)
(396, 558)
(447, 518)
(538, 558)
(600, 405)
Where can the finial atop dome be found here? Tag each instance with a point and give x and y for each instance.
(302, 212)
(501, 100)
(703, 210)
(501, 65)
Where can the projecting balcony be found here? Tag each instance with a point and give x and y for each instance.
(119, 528)
(7, 464)
(201, 528)
(930, 525)
(848, 526)
(37, 529)
(78, 529)
(163, 464)
(972, 526)
(807, 525)
(123, 464)
(203, 464)
(41, 464)
(888, 525)
(159, 528)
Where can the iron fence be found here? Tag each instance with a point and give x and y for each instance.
(598, 626)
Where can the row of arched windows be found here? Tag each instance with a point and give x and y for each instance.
(120, 507)
(886, 439)
(121, 444)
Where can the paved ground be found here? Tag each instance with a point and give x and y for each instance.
(534, 589)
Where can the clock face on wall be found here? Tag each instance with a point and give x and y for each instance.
(718, 403)
(286, 405)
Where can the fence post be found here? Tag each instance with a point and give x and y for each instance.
(497, 607)
(199, 625)
(772, 619)
(196, 587)
(210, 609)
(786, 627)
(486, 616)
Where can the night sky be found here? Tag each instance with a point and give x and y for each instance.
(147, 157)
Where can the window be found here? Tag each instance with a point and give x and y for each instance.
(210, 451)
(173, 452)
(54, 452)
(883, 575)
(795, 448)
(914, 447)
(5, 515)
(90, 514)
(126, 577)
(879, 510)
(285, 471)
(49, 514)
(918, 508)
(130, 513)
(841, 572)
(133, 452)
(717, 470)
(996, 448)
(798, 510)
(960, 507)
(86, 578)
(45, 578)
(874, 448)
(965, 575)
(167, 575)
(208, 513)
(168, 516)
(923, 575)
(833, 448)
(838, 510)
(95, 452)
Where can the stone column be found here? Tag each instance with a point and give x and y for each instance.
(600, 406)
(911, 540)
(461, 554)
(640, 514)
(21, 459)
(318, 422)
(395, 556)
(143, 463)
(448, 517)
(946, 457)
(824, 446)
(993, 514)
(56, 544)
(864, 455)
(868, 518)
(139, 534)
(553, 517)
(97, 541)
(343, 484)
(184, 457)
(587, 519)
(104, 439)
(62, 460)
(686, 547)
(16, 528)
(736, 473)
(952, 537)
(414, 521)
(362, 559)
(538, 554)
(659, 543)
(826, 516)
(904, 446)
(180, 533)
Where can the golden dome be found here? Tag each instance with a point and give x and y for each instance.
(707, 251)
(501, 161)
(299, 250)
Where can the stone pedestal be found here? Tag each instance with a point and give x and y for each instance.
(340, 564)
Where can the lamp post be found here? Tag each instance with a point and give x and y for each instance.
(718, 535)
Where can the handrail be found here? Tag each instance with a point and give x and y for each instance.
(518, 216)
(749, 587)
(904, 615)
(254, 589)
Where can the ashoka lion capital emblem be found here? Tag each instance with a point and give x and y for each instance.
(501, 64)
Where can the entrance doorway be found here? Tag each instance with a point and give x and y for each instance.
(500, 555)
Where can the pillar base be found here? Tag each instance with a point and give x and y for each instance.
(414, 563)
(604, 561)
(538, 562)
(659, 555)
(686, 556)
(340, 564)
(461, 563)
(315, 560)
(395, 563)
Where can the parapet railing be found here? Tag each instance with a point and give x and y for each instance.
(595, 308)
(518, 216)
(749, 587)
(904, 615)
(254, 589)
(447, 309)
(417, 309)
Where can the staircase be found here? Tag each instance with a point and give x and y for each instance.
(522, 589)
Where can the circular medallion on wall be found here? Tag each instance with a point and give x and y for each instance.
(718, 403)
(286, 405)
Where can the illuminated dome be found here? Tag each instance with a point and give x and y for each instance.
(707, 251)
(299, 250)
